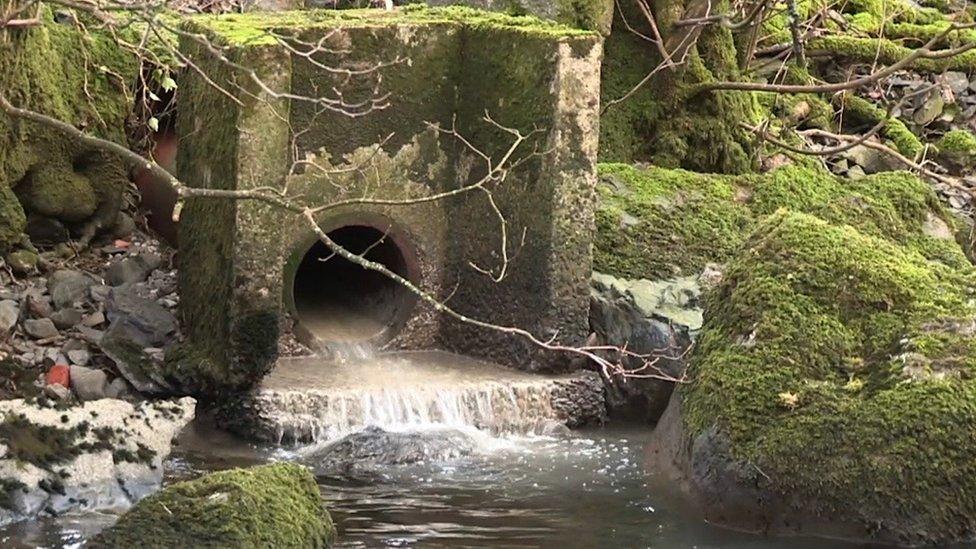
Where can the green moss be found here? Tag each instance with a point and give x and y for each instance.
(957, 149)
(18, 380)
(12, 219)
(803, 110)
(8, 489)
(269, 506)
(39, 445)
(586, 14)
(851, 354)
(887, 52)
(663, 121)
(894, 130)
(958, 141)
(655, 222)
(58, 192)
(91, 92)
(254, 29)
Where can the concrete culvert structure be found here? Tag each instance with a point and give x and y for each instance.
(240, 260)
(339, 301)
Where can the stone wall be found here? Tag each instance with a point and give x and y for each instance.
(447, 66)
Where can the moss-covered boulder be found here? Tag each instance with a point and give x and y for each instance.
(832, 388)
(657, 223)
(269, 506)
(957, 150)
(12, 219)
(73, 70)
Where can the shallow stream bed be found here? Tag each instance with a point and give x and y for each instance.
(588, 489)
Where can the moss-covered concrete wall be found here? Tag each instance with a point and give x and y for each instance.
(454, 65)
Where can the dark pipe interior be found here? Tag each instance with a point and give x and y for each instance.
(340, 301)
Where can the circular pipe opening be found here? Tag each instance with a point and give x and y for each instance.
(339, 301)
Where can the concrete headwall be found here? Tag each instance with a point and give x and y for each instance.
(447, 67)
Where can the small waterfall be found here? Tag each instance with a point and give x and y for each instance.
(493, 407)
(316, 401)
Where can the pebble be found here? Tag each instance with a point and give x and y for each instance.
(68, 287)
(120, 388)
(66, 318)
(22, 262)
(94, 319)
(39, 306)
(79, 357)
(88, 383)
(9, 313)
(90, 335)
(40, 328)
(57, 392)
(132, 270)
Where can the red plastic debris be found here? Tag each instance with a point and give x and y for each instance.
(59, 374)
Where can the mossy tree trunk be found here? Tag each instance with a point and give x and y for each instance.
(664, 122)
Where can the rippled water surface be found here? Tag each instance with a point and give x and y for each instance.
(586, 490)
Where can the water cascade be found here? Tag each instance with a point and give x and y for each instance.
(312, 400)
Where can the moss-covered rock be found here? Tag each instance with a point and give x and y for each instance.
(269, 506)
(655, 222)
(894, 130)
(12, 219)
(50, 173)
(832, 387)
(957, 150)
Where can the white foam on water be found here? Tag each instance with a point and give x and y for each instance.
(326, 400)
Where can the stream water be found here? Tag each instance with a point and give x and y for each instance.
(588, 488)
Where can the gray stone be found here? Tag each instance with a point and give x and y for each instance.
(856, 172)
(374, 447)
(147, 323)
(120, 388)
(68, 287)
(650, 318)
(57, 392)
(93, 319)
(22, 262)
(99, 292)
(66, 318)
(870, 160)
(39, 306)
(132, 362)
(136, 324)
(124, 226)
(9, 313)
(930, 109)
(957, 81)
(40, 328)
(88, 383)
(79, 357)
(935, 227)
(90, 335)
(131, 270)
